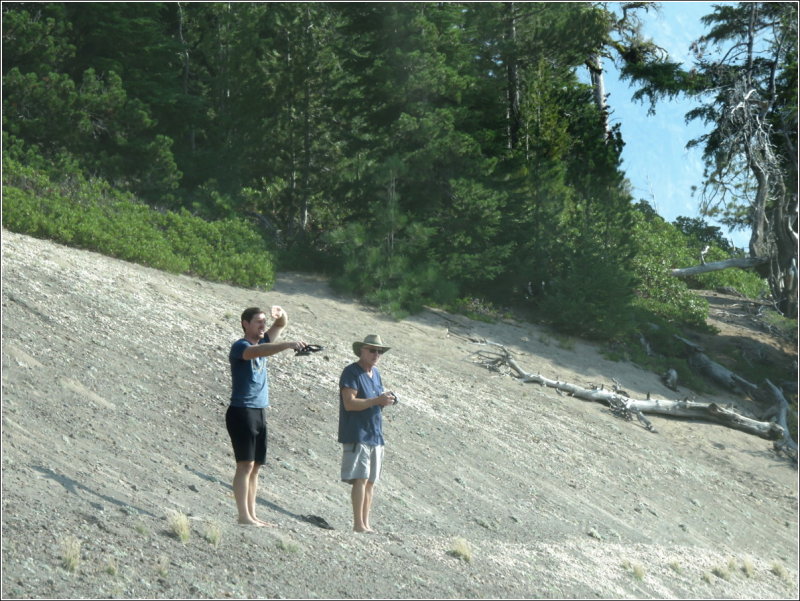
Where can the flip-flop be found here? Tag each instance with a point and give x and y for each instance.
(308, 349)
(317, 521)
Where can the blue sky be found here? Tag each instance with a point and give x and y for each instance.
(655, 159)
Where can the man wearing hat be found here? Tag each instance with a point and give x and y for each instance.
(361, 401)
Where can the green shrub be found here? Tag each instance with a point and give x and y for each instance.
(90, 214)
(661, 248)
(592, 300)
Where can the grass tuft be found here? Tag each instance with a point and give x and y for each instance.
(721, 572)
(284, 544)
(112, 568)
(162, 566)
(637, 569)
(213, 532)
(461, 550)
(780, 571)
(71, 553)
(179, 525)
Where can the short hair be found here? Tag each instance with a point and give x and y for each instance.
(249, 313)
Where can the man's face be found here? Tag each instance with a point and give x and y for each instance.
(256, 327)
(370, 355)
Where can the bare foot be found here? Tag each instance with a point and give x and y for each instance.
(251, 523)
(263, 523)
(364, 530)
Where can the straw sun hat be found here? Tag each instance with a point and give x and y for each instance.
(371, 340)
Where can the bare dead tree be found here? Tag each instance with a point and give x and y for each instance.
(751, 151)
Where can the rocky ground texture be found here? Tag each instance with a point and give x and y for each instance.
(115, 382)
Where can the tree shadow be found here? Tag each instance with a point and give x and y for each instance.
(259, 501)
(73, 486)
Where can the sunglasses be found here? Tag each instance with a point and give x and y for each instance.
(374, 350)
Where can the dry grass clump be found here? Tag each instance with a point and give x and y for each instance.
(213, 532)
(780, 571)
(284, 544)
(461, 550)
(637, 569)
(162, 566)
(748, 568)
(112, 568)
(178, 524)
(721, 572)
(71, 553)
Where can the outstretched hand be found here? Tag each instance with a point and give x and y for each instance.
(297, 345)
(308, 349)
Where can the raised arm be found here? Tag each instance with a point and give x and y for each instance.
(281, 321)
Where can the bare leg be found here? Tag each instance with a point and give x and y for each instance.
(357, 496)
(251, 496)
(365, 509)
(241, 491)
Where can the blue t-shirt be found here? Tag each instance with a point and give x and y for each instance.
(250, 384)
(361, 426)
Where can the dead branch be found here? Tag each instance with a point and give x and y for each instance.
(781, 408)
(627, 407)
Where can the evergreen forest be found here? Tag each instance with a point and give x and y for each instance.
(427, 153)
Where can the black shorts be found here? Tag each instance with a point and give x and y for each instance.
(247, 428)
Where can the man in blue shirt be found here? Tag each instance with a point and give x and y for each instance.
(361, 401)
(245, 419)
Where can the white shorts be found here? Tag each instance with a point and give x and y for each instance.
(361, 461)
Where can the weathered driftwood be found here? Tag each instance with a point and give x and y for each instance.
(714, 371)
(742, 263)
(670, 379)
(628, 407)
(780, 408)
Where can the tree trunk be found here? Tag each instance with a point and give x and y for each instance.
(595, 66)
(513, 93)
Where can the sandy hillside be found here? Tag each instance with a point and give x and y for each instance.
(115, 383)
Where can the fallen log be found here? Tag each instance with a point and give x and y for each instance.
(780, 409)
(627, 407)
(741, 263)
(714, 371)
